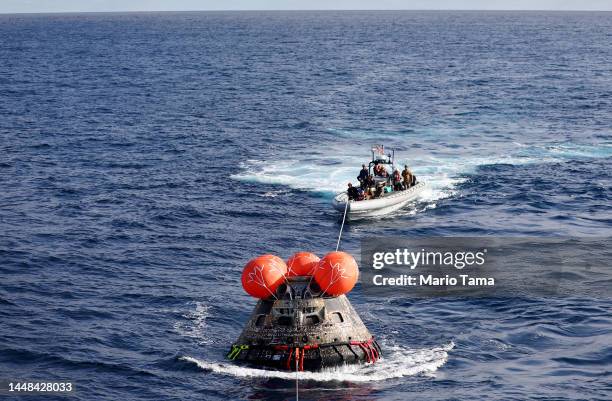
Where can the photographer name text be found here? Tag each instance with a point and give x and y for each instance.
(438, 260)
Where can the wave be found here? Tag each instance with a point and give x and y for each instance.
(397, 362)
(568, 151)
(60, 359)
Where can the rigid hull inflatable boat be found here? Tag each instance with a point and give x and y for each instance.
(379, 192)
(385, 204)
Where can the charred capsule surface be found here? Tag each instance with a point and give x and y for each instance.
(303, 329)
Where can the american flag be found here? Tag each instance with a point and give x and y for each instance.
(380, 149)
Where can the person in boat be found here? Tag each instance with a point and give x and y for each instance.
(380, 170)
(352, 192)
(397, 181)
(360, 194)
(370, 181)
(379, 190)
(407, 176)
(363, 175)
(377, 170)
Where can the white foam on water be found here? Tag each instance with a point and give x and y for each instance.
(397, 362)
(442, 174)
(328, 172)
(570, 150)
(274, 194)
(194, 323)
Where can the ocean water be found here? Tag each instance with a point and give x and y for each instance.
(144, 158)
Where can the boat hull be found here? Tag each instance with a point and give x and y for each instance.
(379, 206)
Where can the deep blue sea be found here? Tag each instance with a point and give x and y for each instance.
(144, 158)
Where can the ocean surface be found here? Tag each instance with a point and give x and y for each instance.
(145, 158)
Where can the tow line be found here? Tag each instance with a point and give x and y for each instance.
(343, 220)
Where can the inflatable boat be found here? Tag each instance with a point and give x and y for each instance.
(385, 204)
(378, 202)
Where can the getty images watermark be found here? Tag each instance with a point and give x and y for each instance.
(485, 266)
(426, 258)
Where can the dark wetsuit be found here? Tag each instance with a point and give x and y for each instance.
(353, 193)
(363, 175)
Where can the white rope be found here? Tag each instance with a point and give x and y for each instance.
(339, 236)
(343, 219)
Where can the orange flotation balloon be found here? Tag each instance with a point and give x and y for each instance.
(302, 264)
(263, 275)
(336, 273)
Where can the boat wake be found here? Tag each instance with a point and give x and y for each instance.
(397, 362)
(326, 173)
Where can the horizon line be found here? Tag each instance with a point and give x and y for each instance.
(301, 10)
